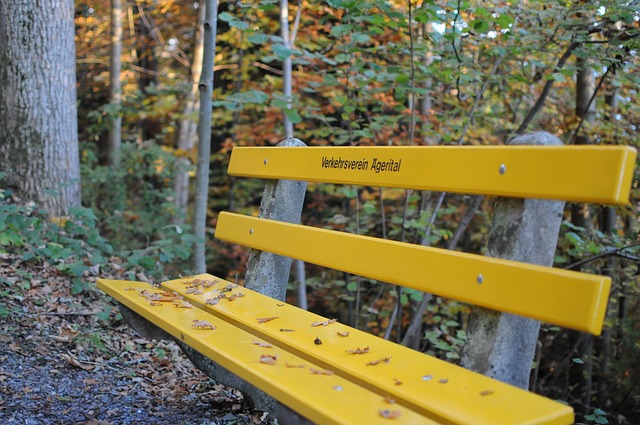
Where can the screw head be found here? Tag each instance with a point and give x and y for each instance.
(502, 169)
(251, 231)
(265, 161)
(480, 279)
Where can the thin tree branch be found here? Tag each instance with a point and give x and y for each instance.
(547, 87)
(296, 24)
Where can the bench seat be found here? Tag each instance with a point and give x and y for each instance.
(426, 390)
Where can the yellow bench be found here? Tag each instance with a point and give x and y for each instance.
(332, 374)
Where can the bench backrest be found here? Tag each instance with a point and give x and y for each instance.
(600, 174)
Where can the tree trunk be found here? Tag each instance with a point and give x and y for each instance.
(580, 374)
(204, 134)
(146, 63)
(38, 115)
(188, 126)
(115, 86)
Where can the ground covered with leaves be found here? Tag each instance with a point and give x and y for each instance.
(69, 359)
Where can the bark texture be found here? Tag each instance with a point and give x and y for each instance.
(38, 114)
(502, 345)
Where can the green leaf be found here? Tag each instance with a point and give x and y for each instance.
(480, 25)
(293, 116)
(224, 16)
(352, 286)
(281, 51)
(577, 360)
(241, 25)
(258, 38)
(504, 21)
(340, 30)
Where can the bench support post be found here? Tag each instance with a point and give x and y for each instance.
(502, 345)
(282, 200)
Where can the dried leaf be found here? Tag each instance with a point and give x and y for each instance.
(396, 381)
(235, 296)
(262, 344)
(324, 323)
(212, 301)
(317, 341)
(229, 287)
(209, 283)
(182, 304)
(155, 304)
(268, 359)
(381, 360)
(486, 393)
(194, 290)
(443, 381)
(300, 366)
(202, 324)
(389, 400)
(266, 319)
(320, 371)
(65, 334)
(358, 350)
(130, 289)
(75, 362)
(286, 330)
(343, 334)
(389, 414)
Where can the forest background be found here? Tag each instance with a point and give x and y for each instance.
(352, 73)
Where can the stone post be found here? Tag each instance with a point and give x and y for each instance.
(502, 345)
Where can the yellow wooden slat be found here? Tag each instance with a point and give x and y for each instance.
(323, 399)
(600, 174)
(445, 392)
(570, 299)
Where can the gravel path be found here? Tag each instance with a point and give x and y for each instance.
(67, 359)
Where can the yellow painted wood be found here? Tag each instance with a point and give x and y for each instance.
(323, 399)
(566, 298)
(440, 390)
(600, 174)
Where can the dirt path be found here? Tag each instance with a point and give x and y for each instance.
(67, 359)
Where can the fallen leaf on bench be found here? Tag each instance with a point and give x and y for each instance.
(130, 289)
(235, 296)
(486, 393)
(286, 330)
(359, 351)
(389, 400)
(155, 304)
(268, 359)
(343, 334)
(194, 290)
(299, 366)
(443, 381)
(202, 324)
(229, 287)
(381, 360)
(320, 371)
(209, 283)
(212, 301)
(317, 341)
(396, 381)
(182, 304)
(389, 414)
(324, 323)
(262, 344)
(266, 319)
